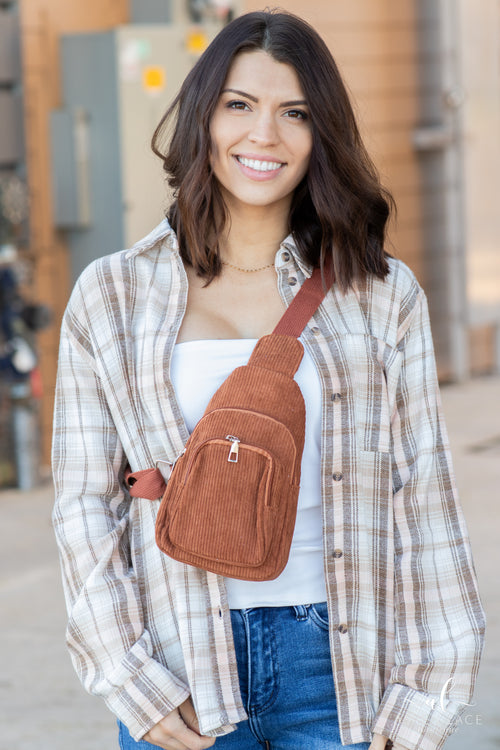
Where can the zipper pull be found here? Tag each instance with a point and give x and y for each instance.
(233, 453)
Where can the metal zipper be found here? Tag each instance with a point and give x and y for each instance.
(235, 447)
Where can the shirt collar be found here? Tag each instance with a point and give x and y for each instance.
(290, 245)
(162, 233)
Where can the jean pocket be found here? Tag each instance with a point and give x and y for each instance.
(319, 614)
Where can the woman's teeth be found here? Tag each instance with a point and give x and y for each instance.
(260, 166)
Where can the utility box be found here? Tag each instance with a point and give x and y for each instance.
(109, 188)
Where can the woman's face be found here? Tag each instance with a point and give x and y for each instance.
(261, 133)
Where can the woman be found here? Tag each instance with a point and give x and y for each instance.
(374, 629)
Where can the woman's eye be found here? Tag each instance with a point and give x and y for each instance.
(237, 105)
(297, 114)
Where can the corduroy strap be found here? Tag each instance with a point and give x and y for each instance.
(150, 483)
(305, 303)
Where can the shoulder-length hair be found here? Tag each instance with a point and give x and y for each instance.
(339, 209)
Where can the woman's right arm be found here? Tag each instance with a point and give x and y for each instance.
(110, 648)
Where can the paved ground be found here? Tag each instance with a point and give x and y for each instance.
(42, 706)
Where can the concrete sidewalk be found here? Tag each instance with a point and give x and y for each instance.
(42, 705)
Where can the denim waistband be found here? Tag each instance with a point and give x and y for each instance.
(300, 610)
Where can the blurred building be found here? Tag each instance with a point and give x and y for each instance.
(424, 76)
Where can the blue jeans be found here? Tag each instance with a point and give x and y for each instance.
(286, 682)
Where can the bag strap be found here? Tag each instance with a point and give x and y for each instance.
(305, 303)
(150, 483)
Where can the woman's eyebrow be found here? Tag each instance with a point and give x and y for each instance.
(293, 103)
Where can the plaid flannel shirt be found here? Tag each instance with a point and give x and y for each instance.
(145, 632)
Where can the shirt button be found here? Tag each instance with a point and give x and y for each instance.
(337, 477)
(342, 628)
(336, 396)
(337, 553)
(292, 281)
(315, 330)
(285, 256)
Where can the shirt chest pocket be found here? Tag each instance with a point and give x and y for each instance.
(373, 368)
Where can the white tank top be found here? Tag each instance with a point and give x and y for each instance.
(198, 368)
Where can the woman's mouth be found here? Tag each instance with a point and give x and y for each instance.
(260, 166)
(260, 169)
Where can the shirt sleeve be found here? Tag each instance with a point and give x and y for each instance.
(439, 618)
(110, 648)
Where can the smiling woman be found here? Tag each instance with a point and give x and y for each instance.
(262, 137)
(373, 628)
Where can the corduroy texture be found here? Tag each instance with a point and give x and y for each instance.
(236, 517)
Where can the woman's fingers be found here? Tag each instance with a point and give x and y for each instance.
(378, 742)
(188, 714)
(173, 732)
(384, 743)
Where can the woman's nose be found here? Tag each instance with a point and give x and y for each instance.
(264, 130)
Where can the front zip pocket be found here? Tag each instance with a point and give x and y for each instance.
(224, 476)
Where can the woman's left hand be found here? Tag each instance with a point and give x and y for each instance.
(379, 743)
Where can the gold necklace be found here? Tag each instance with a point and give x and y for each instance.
(247, 270)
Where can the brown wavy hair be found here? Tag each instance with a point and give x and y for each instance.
(339, 208)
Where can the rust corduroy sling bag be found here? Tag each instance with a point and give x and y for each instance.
(230, 503)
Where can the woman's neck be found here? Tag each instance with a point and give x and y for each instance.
(253, 236)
